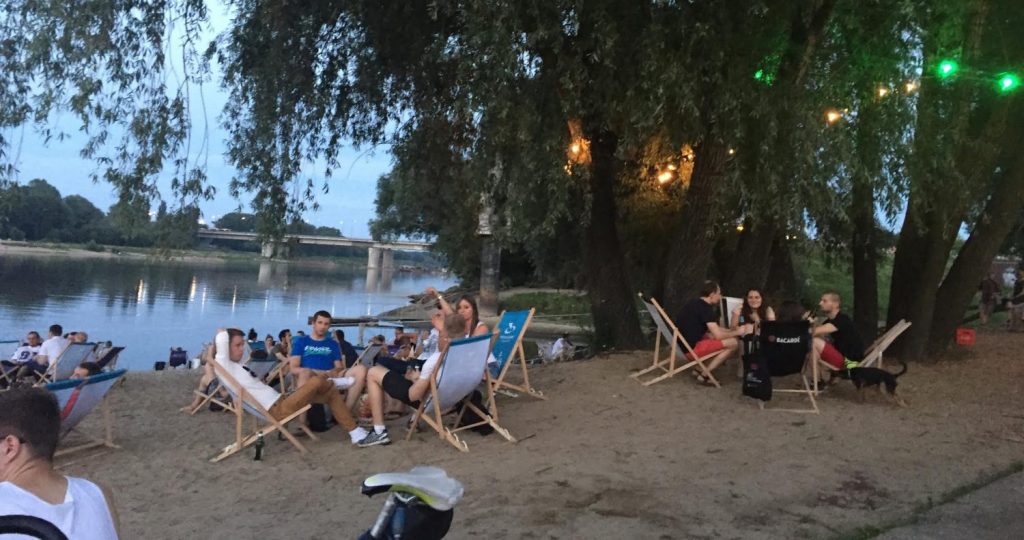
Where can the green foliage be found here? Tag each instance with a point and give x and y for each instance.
(237, 221)
(548, 303)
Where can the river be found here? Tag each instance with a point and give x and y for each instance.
(149, 306)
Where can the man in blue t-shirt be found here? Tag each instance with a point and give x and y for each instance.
(317, 352)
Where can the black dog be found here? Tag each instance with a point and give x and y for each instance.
(863, 377)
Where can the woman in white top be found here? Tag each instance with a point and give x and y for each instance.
(466, 308)
(29, 485)
(754, 310)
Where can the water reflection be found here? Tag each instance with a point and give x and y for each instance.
(150, 306)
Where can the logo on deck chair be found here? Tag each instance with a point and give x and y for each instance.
(510, 329)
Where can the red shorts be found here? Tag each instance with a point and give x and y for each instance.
(832, 356)
(706, 346)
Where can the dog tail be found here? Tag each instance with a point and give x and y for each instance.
(904, 370)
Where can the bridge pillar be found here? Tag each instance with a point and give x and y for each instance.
(373, 259)
(265, 273)
(387, 260)
(267, 250)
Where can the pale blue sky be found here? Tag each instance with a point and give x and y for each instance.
(348, 205)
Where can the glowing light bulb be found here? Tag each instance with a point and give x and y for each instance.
(665, 177)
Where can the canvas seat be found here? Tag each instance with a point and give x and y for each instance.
(454, 379)
(681, 356)
(79, 397)
(786, 347)
(508, 343)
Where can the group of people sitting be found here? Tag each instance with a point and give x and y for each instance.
(322, 366)
(33, 357)
(836, 339)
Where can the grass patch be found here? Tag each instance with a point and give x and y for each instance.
(548, 303)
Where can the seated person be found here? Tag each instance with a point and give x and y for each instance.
(846, 348)
(563, 349)
(399, 334)
(86, 369)
(49, 350)
(697, 323)
(318, 353)
(466, 308)
(29, 484)
(230, 346)
(378, 340)
(409, 388)
(205, 357)
(754, 310)
(25, 353)
(80, 337)
(348, 352)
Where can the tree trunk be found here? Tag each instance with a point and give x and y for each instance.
(865, 258)
(976, 256)
(612, 302)
(782, 281)
(749, 265)
(690, 252)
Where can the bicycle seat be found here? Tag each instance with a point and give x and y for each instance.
(430, 484)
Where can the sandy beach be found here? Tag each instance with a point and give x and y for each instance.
(604, 457)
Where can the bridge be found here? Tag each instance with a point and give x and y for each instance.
(380, 254)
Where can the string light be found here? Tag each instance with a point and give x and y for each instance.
(672, 166)
(732, 151)
(883, 91)
(911, 86)
(832, 116)
(739, 228)
(575, 148)
(665, 177)
(1008, 82)
(947, 68)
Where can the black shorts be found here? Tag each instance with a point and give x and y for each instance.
(397, 386)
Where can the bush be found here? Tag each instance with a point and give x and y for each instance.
(91, 245)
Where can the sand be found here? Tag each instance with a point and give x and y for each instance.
(603, 458)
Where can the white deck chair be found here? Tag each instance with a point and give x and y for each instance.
(726, 306)
(77, 398)
(64, 366)
(508, 342)
(457, 374)
(679, 349)
(249, 405)
(874, 353)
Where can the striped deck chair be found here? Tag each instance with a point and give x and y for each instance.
(454, 379)
(508, 343)
(680, 352)
(77, 398)
(259, 415)
(64, 366)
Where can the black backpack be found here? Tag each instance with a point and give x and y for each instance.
(318, 418)
(757, 379)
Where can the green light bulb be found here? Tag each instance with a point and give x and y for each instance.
(947, 68)
(1008, 82)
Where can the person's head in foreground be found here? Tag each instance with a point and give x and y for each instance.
(321, 324)
(86, 369)
(29, 433)
(710, 292)
(830, 303)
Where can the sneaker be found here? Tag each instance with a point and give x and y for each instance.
(343, 382)
(374, 439)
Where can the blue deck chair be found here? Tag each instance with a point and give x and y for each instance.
(259, 415)
(508, 343)
(64, 366)
(454, 379)
(79, 397)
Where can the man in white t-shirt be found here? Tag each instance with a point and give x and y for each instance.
(29, 485)
(409, 388)
(50, 350)
(230, 348)
(26, 352)
(563, 349)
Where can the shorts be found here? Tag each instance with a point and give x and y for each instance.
(397, 386)
(834, 358)
(706, 346)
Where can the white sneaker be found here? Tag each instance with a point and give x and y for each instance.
(343, 382)
(358, 434)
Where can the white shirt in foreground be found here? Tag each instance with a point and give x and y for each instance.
(84, 514)
(263, 394)
(53, 347)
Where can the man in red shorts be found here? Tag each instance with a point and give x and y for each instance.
(846, 348)
(697, 322)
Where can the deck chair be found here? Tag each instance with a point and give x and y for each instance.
(212, 392)
(8, 348)
(64, 366)
(508, 342)
(77, 398)
(248, 405)
(725, 307)
(261, 367)
(786, 347)
(873, 354)
(680, 352)
(109, 359)
(454, 379)
(368, 355)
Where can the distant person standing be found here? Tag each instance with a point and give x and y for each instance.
(990, 291)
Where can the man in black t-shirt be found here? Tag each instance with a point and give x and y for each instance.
(696, 321)
(846, 348)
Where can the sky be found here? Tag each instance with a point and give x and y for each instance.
(348, 205)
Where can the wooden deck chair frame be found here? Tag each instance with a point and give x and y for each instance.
(6, 353)
(434, 417)
(245, 400)
(212, 397)
(809, 390)
(499, 384)
(668, 364)
(107, 440)
(877, 349)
